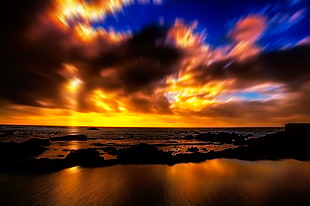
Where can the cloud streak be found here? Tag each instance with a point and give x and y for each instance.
(162, 70)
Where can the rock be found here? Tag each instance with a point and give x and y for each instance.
(298, 128)
(193, 149)
(172, 142)
(24, 150)
(292, 143)
(98, 144)
(5, 133)
(144, 154)
(110, 150)
(92, 128)
(189, 137)
(278, 145)
(80, 137)
(85, 157)
(35, 141)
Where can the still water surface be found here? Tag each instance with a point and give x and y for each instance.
(213, 182)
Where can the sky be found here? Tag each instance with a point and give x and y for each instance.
(155, 63)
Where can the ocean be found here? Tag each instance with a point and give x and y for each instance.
(166, 139)
(215, 182)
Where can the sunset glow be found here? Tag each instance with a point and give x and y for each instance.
(133, 63)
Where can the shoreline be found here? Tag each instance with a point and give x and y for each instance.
(292, 143)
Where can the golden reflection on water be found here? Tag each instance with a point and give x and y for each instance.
(73, 170)
(213, 182)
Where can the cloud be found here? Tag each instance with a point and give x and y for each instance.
(290, 67)
(270, 87)
(38, 53)
(249, 29)
(293, 108)
(162, 70)
(245, 34)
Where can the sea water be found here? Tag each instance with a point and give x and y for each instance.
(213, 182)
(166, 139)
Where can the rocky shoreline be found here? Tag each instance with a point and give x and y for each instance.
(293, 143)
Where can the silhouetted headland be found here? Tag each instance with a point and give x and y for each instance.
(291, 143)
(80, 137)
(93, 128)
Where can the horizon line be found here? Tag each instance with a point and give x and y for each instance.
(143, 126)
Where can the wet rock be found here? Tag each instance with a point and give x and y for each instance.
(54, 134)
(144, 154)
(35, 141)
(278, 145)
(189, 137)
(110, 150)
(19, 157)
(80, 137)
(172, 141)
(85, 157)
(193, 149)
(98, 144)
(24, 150)
(193, 157)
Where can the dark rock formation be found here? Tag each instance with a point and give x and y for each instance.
(35, 141)
(92, 128)
(189, 137)
(193, 149)
(110, 150)
(298, 128)
(143, 154)
(85, 157)
(5, 133)
(98, 144)
(222, 137)
(292, 143)
(24, 150)
(80, 137)
(272, 146)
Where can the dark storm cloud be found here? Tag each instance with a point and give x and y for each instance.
(28, 67)
(134, 67)
(36, 50)
(291, 67)
(138, 64)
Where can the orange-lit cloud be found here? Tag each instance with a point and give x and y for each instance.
(184, 36)
(64, 71)
(245, 34)
(77, 16)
